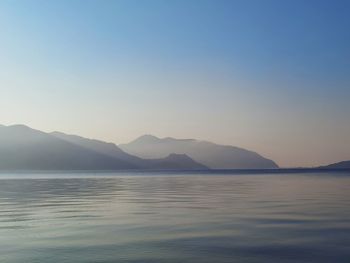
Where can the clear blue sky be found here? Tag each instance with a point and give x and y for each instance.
(270, 76)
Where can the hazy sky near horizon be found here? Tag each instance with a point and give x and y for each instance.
(270, 76)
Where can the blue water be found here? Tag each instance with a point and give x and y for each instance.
(174, 218)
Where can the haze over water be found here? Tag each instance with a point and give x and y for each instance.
(131, 217)
(268, 76)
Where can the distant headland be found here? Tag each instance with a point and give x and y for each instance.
(23, 148)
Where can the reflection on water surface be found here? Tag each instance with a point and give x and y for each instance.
(174, 218)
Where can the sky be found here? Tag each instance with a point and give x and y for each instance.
(269, 76)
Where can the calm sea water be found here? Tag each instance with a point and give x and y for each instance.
(174, 218)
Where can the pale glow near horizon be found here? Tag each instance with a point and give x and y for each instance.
(127, 74)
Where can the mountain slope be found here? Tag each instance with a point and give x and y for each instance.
(171, 161)
(23, 148)
(339, 165)
(210, 154)
(176, 162)
(109, 149)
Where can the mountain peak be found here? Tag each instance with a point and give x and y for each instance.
(212, 155)
(183, 161)
(37, 150)
(20, 128)
(147, 138)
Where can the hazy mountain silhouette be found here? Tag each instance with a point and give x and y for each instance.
(23, 148)
(339, 165)
(171, 161)
(175, 161)
(210, 154)
(102, 147)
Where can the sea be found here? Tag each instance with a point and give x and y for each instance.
(156, 217)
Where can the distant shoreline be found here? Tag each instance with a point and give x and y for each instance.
(195, 172)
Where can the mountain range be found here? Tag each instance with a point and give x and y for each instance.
(210, 154)
(24, 148)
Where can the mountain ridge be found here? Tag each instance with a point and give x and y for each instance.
(212, 155)
(113, 150)
(24, 148)
(337, 165)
